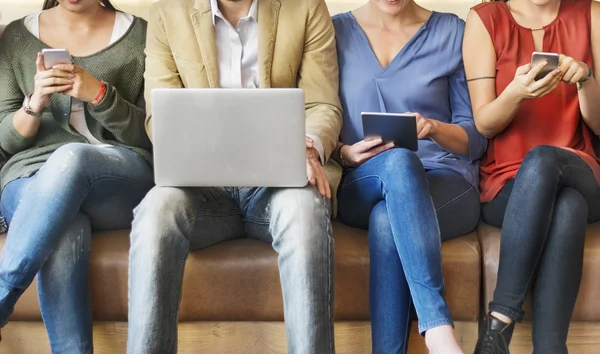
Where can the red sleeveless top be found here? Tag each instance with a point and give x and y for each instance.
(554, 119)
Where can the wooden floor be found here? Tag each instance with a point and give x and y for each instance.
(269, 338)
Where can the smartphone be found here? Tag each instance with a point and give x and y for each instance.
(550, 58)
(55, 56)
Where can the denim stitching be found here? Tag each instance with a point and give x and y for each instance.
(437, 323)
(471, 188)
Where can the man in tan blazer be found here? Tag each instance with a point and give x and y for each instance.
(235, 44)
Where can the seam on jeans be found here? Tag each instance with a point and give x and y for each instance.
(437, 323)
(259, 221)
(471, 188)
(408, 322)
(360, 179)
(330, 285)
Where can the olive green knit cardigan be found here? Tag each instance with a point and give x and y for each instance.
(117, 120)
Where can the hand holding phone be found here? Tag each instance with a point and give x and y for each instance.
(47, 83)
(525, 86)
(575, 72)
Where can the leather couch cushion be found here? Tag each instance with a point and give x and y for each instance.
(586, 308)
(239, 281)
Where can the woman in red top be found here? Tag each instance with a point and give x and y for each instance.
(539, 179)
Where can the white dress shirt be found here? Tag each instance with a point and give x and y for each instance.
(237, 49)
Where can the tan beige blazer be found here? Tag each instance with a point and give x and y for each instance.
(296, 43)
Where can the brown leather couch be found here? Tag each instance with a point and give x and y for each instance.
(232, 290)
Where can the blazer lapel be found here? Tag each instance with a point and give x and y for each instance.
(268, 17)
(205, 35)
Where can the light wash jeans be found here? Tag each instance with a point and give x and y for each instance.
(404, 207)
(171, 222)
(51, 216)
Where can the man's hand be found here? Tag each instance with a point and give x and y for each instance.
(315, 170)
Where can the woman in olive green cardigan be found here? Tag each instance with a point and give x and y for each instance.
(78, 155)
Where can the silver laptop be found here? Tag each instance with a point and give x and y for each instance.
(229, 137)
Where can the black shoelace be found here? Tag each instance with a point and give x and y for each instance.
(493, 342)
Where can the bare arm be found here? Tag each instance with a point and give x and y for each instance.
(460, 137)
(451, 137)
(492, 113)
(589, 95)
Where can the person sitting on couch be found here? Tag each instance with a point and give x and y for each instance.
(224, 41)
(79, 157)
(399, 57)
(539, 179)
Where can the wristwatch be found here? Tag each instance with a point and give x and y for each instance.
(28, 109)
(341, 158)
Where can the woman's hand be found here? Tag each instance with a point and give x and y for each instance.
(426, 127)
(85, 87)
(359, 153)
(574, 71)
(47, 83)
(524, 86)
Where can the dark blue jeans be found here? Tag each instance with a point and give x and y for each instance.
(543, 213)
(51, 216)
(405, 208)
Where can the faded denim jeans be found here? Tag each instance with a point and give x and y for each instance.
(51, 216)
(171, 222)
(408, 212)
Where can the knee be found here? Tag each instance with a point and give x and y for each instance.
(381, 239)
(72, 157)
(68, 163)
(397, 165)
(161, 210)
(301, 216)
(396, 160)
(540, 160)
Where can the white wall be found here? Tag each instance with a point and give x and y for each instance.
(14, 9)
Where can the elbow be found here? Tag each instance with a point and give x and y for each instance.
(485, 131)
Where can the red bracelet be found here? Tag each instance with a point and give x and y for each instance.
(100, 94)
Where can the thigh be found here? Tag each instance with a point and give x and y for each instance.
(492, 212)
(361, 189)
(121, 180)
(12, 195)
(264, 209)
(456, 203)
(552, 169)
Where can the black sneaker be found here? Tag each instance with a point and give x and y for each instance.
(495, 337)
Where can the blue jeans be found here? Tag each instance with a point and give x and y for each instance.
(404, 207)
(171, 222)
(51, 216)
(544, 213)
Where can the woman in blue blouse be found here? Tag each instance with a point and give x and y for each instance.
(397, 57)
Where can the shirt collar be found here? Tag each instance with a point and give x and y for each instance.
(252, 13)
